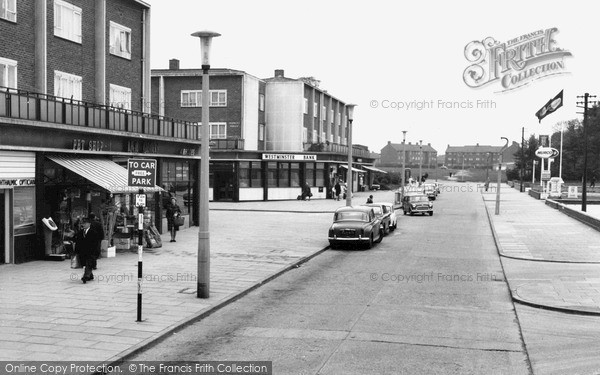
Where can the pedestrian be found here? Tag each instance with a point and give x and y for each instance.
(306, 193)
(593, 181)
(97, 227)
(85, 247)
(487, 184)
(173, 211)
(370, 199)
(338, 190)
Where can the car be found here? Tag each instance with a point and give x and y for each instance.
(417, 203)
(383, 213)
(429, 190)
(357, 225)
(438, 188)
(393, 217)
(375, 187)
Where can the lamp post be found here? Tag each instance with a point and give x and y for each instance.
(403, 160)
(350, 112)
(420, 161)
(203, 284)
(500, 175)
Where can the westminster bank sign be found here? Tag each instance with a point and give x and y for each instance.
(514, 63)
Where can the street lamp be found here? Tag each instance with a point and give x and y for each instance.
(203, 284)
(403, 160)
(500, 175)
(350, 113)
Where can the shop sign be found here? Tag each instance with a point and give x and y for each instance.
(545, 175)
(82, 144)
(18, 182)
(546, 152)
(141, 172)
(289, 157)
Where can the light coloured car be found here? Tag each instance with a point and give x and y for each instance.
(393, 217)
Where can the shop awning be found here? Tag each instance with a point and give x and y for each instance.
(353, 169)
(374, 169)
(103, 172)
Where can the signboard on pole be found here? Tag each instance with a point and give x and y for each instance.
(572, 192)
(546, 152)
(141, 172)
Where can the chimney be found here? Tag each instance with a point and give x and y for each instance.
(279, 73)
(173, 64)
(389, 142)
(408, 142)
(429, 144)
(477, 144)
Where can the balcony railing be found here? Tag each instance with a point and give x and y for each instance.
(336, 149)
(227, 144)
(26, 105)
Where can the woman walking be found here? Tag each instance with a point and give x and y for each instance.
(173, 211)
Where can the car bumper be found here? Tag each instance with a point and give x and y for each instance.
(348, 239)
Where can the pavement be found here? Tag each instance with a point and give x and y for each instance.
(550, 260)
(48, 314)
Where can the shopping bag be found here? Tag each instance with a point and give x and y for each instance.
(75, 262)
(178, 221)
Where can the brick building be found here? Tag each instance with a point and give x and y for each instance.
(416, 154)
(478, 156)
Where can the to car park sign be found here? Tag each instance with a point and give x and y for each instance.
(141, 172)
(546, 152)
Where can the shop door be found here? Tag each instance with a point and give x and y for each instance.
(3, 229)
(224, 186)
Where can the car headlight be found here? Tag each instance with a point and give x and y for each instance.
(430, 204)
(413, 205)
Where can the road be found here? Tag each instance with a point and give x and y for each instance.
(430, 298)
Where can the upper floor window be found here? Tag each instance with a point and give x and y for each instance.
(306, 106)
(8, 10)
(218, 130)
(8, 73)
(193, 98)
(120, 96)
(67, 21)
(315, 109)
(120, 40)
(261, 102)
(261, 132)
(67, 85)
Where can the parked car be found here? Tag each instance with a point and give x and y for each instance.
(382, 211)
(429, 190)
(375, 187)
(355, 225)
(393, 217)
(438, 188)
(417, 203)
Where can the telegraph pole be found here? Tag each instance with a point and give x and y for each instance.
(585, 103)
(522, 157)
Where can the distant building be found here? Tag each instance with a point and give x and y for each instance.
(478, 156)
(416, 154)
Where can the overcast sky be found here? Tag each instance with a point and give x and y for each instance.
(375, 53)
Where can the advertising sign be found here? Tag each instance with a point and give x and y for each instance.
(546, 152)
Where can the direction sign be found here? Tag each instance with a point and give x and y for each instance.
(141, 172)
(140, 200)
(546, 152)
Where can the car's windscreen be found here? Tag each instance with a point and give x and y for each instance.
(419, 199)
(377, 210)
(354, 216)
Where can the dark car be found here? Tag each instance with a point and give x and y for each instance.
(417, 203)
(382, 211)
(355, 225)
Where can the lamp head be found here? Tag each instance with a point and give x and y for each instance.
(350, 110)
(205, 42)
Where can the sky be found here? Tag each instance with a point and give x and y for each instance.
(401, 62)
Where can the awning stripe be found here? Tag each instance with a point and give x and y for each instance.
(353, 169)
(374, 169)
(102, 172)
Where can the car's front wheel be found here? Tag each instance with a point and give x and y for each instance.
(430, 213)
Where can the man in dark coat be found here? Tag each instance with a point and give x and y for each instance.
(85, 245)
(96, 225)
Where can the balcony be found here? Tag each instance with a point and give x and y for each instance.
(24, 105)
(337, 149)
(227, 144)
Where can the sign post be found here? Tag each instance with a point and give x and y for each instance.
(141, 173)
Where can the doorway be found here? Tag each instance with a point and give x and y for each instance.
(224, 186)
(3, 225)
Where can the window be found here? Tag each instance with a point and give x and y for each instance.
(309, 173)
(261, 102)
(272, 174)
(120, 97)
(218, 130)
(24, 210)
(250, 174)
(67, 85)
(193, 98)
(323, 113)
(8, 73)
(320, 174)
(304, 135)
(315, 109)
(294, 174)
(67, 21)
(177, 180)
(331, 116)
(8, 10)
(306, 106)
(261, 132)
(244, 174)
(120, 40)
(283, 179)
(314, 136)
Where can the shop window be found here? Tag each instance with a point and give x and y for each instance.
(8, 73)
(244, 174)
(120, 40)
(256, 174)
(294, 174)
(120, 96)
(67, 85)
(67, 21)
(24, 210)
(177, 182)
(8, 10)
(320, 174)
(272, 174)
(283, 179)
(309, 173)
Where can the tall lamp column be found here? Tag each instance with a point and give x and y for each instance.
(350, 113)
(203, 285)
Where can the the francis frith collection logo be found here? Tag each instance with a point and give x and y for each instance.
(514, 63)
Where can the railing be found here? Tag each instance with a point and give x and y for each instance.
(19, 104)
(227, 144)
(336, 149)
